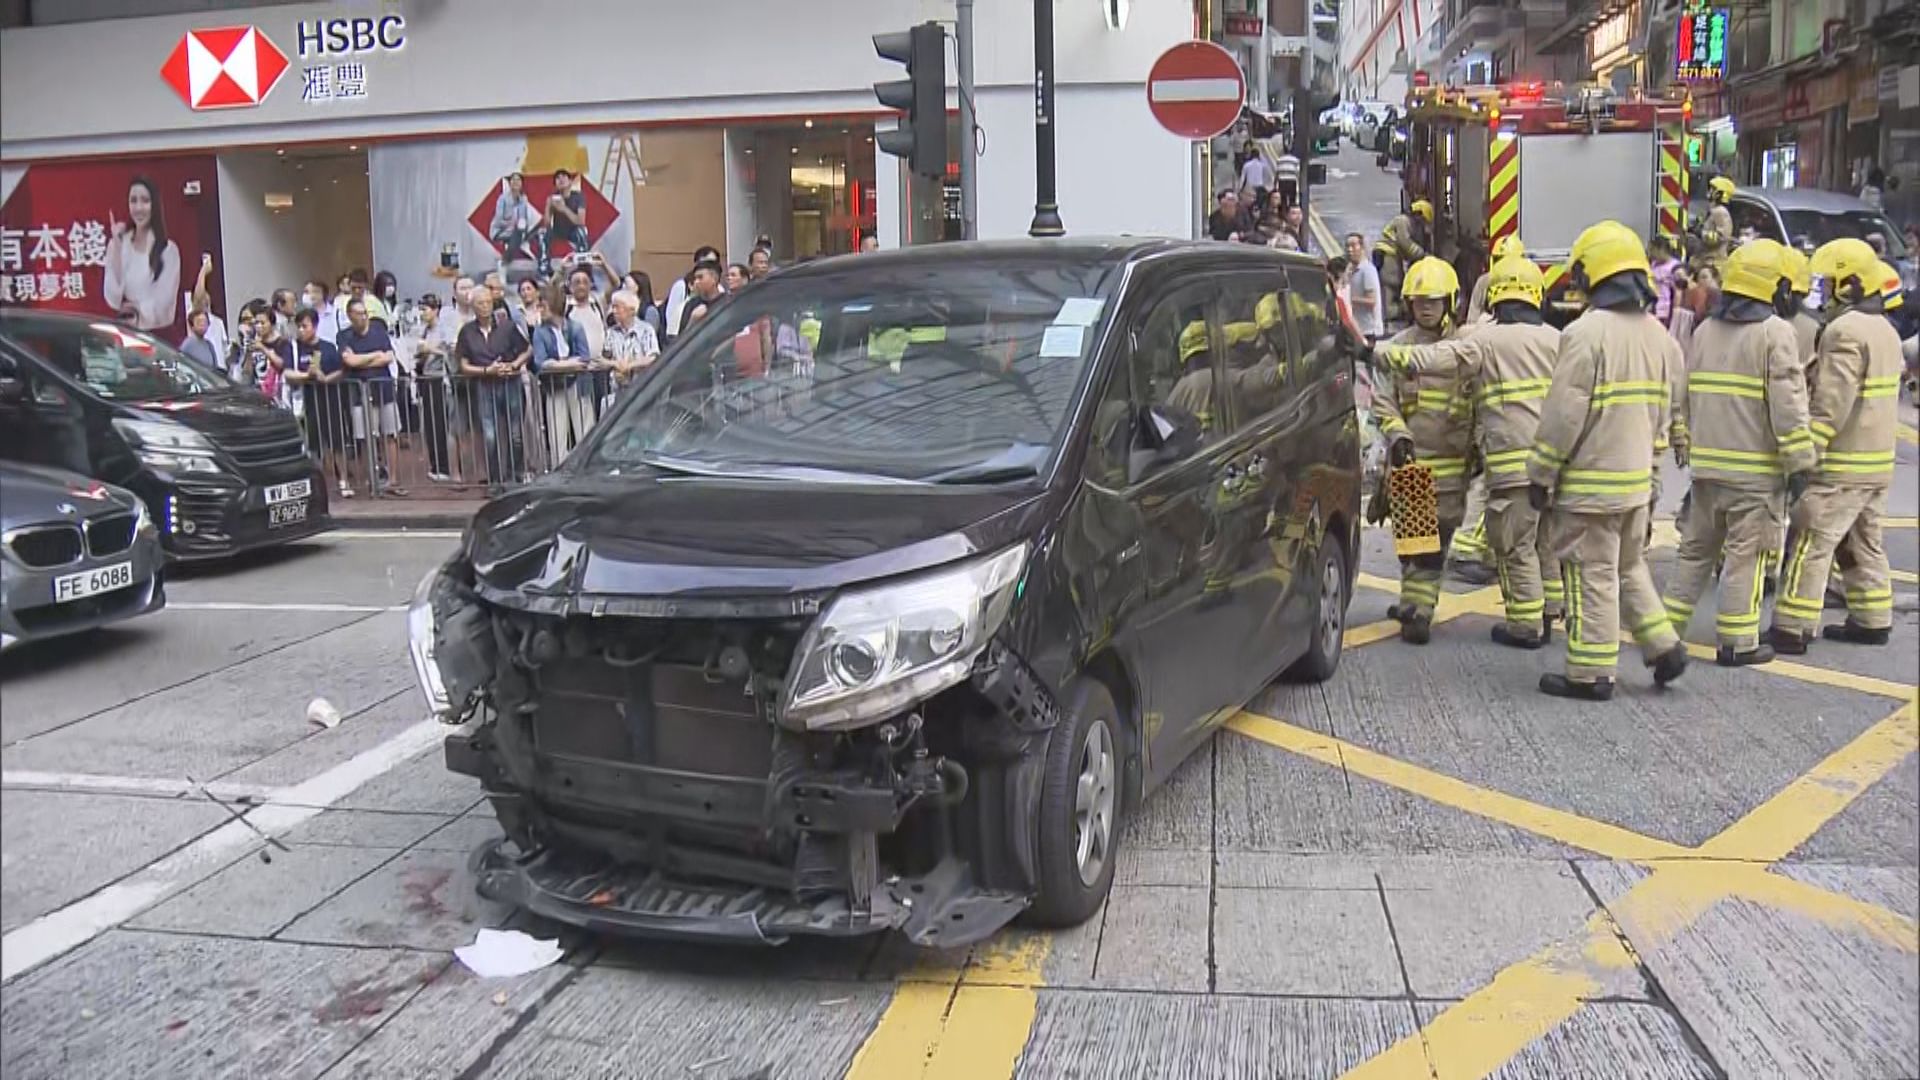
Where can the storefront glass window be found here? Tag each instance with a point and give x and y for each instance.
(807, 187)
(1779, 166)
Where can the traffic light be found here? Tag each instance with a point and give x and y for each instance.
(921, 137)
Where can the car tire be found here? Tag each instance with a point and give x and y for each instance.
(1322, 658)
(1072, 886)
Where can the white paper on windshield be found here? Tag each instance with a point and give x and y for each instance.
(1061, 342)
(1079, 311)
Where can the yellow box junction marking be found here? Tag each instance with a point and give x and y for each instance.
(1528, 999)
(948, 1023)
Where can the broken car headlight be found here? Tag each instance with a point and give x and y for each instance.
(876, 651)
(421, 642)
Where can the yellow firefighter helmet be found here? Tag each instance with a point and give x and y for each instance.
(1508, 246)
(1607, 249)
(1891, 294)
(1421, 208)
(1430, 279)
(1800, 271)
(1755, 270)
(1516, 278)
(1719, 189)
(1193, 340)
(1848, 259)
(1266, 313)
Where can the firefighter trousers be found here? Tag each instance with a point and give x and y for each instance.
(1420, 575)
(1739, 529)
(1827, 516)
(1470, 543)
(1517, 536)
(1603, 561)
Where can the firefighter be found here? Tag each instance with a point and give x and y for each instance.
(1428, 418)
(1505, 247)
(1748, 447)
(1509, 362)
(1606, 417)
(1853, 419)
(1716, 229)
(1402, 243)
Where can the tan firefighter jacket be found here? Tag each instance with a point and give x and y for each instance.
(1855, 405)
(1744, 405)
(1435, 408)
(1608, 412)
(1508, 368)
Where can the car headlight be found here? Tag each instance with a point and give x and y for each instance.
(142, 517)
(876, 651)
(165, 445)
(421, 643)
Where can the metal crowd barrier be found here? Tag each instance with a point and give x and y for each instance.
(454, 436)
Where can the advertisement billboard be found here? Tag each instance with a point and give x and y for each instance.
(120, 238)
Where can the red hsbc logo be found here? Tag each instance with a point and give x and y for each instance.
(229, 67)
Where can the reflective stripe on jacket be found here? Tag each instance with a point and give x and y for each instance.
(1745, 404)
(1608, 412)
(1435, 408)
(1507, 367)
(1855, 405)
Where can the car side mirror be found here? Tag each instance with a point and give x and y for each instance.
(13, 390)
(1162, 436)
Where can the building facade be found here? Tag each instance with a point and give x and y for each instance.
(302, 139)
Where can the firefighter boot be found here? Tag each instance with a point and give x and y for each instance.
(1852, 633)
(1759, 654)
(1516, 639)
(1554, 684)
(1669, 665)
(1787, 642)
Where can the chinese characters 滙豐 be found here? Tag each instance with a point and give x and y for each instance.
(45, 262)
(334, 82)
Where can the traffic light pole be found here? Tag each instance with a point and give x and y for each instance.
(969, 175)
(1046, 209)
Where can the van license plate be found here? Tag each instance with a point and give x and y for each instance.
(89, 582)
(286, 514)
(281, 493)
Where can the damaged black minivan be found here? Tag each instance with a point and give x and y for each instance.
(882, 600)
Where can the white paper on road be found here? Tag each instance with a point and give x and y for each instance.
(500, 954)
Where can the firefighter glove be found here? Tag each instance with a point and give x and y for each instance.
(1539, 497)
(1400, 452)
(1797, 485)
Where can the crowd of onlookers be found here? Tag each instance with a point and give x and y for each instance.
(488, 385)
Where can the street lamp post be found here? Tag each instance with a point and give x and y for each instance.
(1046, 210)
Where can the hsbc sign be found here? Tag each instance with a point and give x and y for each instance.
(235, 67)
(229, 67)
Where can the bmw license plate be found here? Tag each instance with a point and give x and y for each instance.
(285, 493)
(89, 582)
(290, 513)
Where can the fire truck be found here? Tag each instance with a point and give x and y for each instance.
(1543, 162)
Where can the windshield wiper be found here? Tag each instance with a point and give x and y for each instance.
(687, 467)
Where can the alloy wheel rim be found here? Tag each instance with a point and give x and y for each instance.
(1330, 619)
(1093, 803)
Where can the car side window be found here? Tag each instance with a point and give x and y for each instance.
(1751, 215)
(1317, 324)
(1249, 312)
(1171, 401)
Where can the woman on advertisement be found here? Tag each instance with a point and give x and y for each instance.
(143, 265)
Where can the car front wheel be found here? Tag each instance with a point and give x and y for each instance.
(1080, 803)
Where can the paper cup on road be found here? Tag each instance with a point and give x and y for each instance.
(321, 711)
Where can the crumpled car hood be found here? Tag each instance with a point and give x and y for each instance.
(649, 545)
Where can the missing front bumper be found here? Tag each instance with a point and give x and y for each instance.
(945, 907)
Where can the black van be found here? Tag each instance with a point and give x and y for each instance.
(220, 468)
(897, 584)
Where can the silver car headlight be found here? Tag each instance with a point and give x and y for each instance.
(421, 642)
(876, 651)
(164, 444)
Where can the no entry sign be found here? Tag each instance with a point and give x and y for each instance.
(1196, 90)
